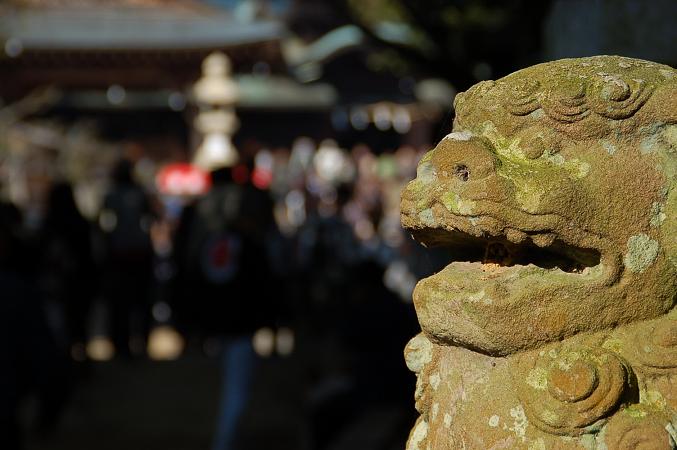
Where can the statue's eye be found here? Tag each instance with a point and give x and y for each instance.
(462, 172)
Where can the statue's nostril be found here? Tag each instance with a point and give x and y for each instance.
(462, 172)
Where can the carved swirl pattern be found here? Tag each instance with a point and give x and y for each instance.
(608, 95)
(524, 98)
(656, 347)
(637, 428)
(564, 392)
(566, 103)
(616, 98)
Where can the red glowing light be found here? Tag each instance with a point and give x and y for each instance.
(261, 178)
(182, 179)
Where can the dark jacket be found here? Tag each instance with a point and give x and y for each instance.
(224, 277)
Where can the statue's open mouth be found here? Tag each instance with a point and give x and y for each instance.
(485, 298)
(542, 251)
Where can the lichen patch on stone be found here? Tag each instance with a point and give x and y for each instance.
(520, 424)
(418, 353)
(670, 428)
(418, 436)
(480, 296)
(538, 378)
(657, 214)
(494, 420)
(615, 345)
(649, 144)
(667, 74)
(435, 381)
(608, 146)
(642, 252)
(537, 114)
(456, 204)
(447, 420)
(425, 172)
(538, 444)
(654, 398)
(459, 136)
(427, 217)
(577, 168)
(635, 411)
(418, 393)
(557, 159)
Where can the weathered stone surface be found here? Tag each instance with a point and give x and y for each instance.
(556, 195)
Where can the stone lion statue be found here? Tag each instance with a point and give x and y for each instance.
(554, 326)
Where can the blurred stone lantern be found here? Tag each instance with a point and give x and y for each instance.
(216, 93)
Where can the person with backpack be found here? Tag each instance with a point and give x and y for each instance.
(225, 284)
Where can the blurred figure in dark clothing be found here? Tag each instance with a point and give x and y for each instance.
(125, 220)
(226, 284)
(30, 362)
(363, 327)
(68, 273)
(11, 219)
(372, 327)
(22, 249)
(221, 258)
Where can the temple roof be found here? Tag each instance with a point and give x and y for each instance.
(178, 5)
(74, 25)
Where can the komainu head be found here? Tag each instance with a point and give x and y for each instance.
(556, 196)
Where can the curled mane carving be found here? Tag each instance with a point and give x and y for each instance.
(614, 95)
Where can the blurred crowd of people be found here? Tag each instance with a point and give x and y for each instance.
(297, 245)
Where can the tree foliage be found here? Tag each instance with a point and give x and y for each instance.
(462, 41)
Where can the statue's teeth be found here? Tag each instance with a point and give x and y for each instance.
(543, 240)
(515, 236)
